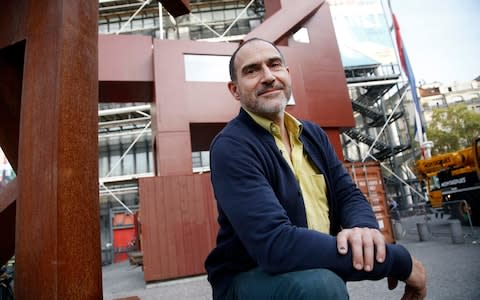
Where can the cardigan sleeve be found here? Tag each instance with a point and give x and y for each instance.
(249, 203)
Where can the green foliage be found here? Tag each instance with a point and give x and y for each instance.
(453, 128)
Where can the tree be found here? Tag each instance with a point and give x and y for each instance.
(453, 128)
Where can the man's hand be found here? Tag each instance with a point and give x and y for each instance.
(416, 283)
(365, 243)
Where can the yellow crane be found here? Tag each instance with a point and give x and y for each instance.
(453, 177)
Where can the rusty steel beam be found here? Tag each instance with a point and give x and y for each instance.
(55, 220)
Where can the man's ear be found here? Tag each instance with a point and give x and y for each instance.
(232, 87)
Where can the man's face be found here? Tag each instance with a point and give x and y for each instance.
(263, 84)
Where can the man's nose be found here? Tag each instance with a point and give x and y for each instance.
(267, 74)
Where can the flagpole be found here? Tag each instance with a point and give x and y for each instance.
(420, 132)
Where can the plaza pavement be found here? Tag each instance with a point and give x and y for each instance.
(453, 270)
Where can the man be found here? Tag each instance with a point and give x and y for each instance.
(282, 195)
(393, 207)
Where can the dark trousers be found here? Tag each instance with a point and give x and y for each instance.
(300, 285)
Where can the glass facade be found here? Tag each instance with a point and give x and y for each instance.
(362, 32)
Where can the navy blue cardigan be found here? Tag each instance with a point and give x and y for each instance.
(262, 215)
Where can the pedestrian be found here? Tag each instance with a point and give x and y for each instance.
(292, 223)
(393, 207)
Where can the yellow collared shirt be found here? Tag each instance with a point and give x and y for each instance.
(312, 184)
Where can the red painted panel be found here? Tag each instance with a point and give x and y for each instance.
(271, 7)
(318, 80)
(285, 20)
(177, 225)
(173, 153)
(125, 68)
(125, 58)
(122, 243)
(207, 102)
(178, 101)
(334, 137)
(173, 218)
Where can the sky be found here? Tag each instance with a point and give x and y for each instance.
(442, 38)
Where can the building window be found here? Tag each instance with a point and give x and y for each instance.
(302, 36)
(201, 161)
(206, 68)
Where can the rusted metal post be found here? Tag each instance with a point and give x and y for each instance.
(57, 246)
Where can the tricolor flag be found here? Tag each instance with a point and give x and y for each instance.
(407, 68)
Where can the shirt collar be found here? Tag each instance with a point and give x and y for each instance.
(291, 123)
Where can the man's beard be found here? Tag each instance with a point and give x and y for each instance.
(271, 108)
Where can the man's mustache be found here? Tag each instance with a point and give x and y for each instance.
(270, 88)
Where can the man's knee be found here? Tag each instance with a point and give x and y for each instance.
(315, 284)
